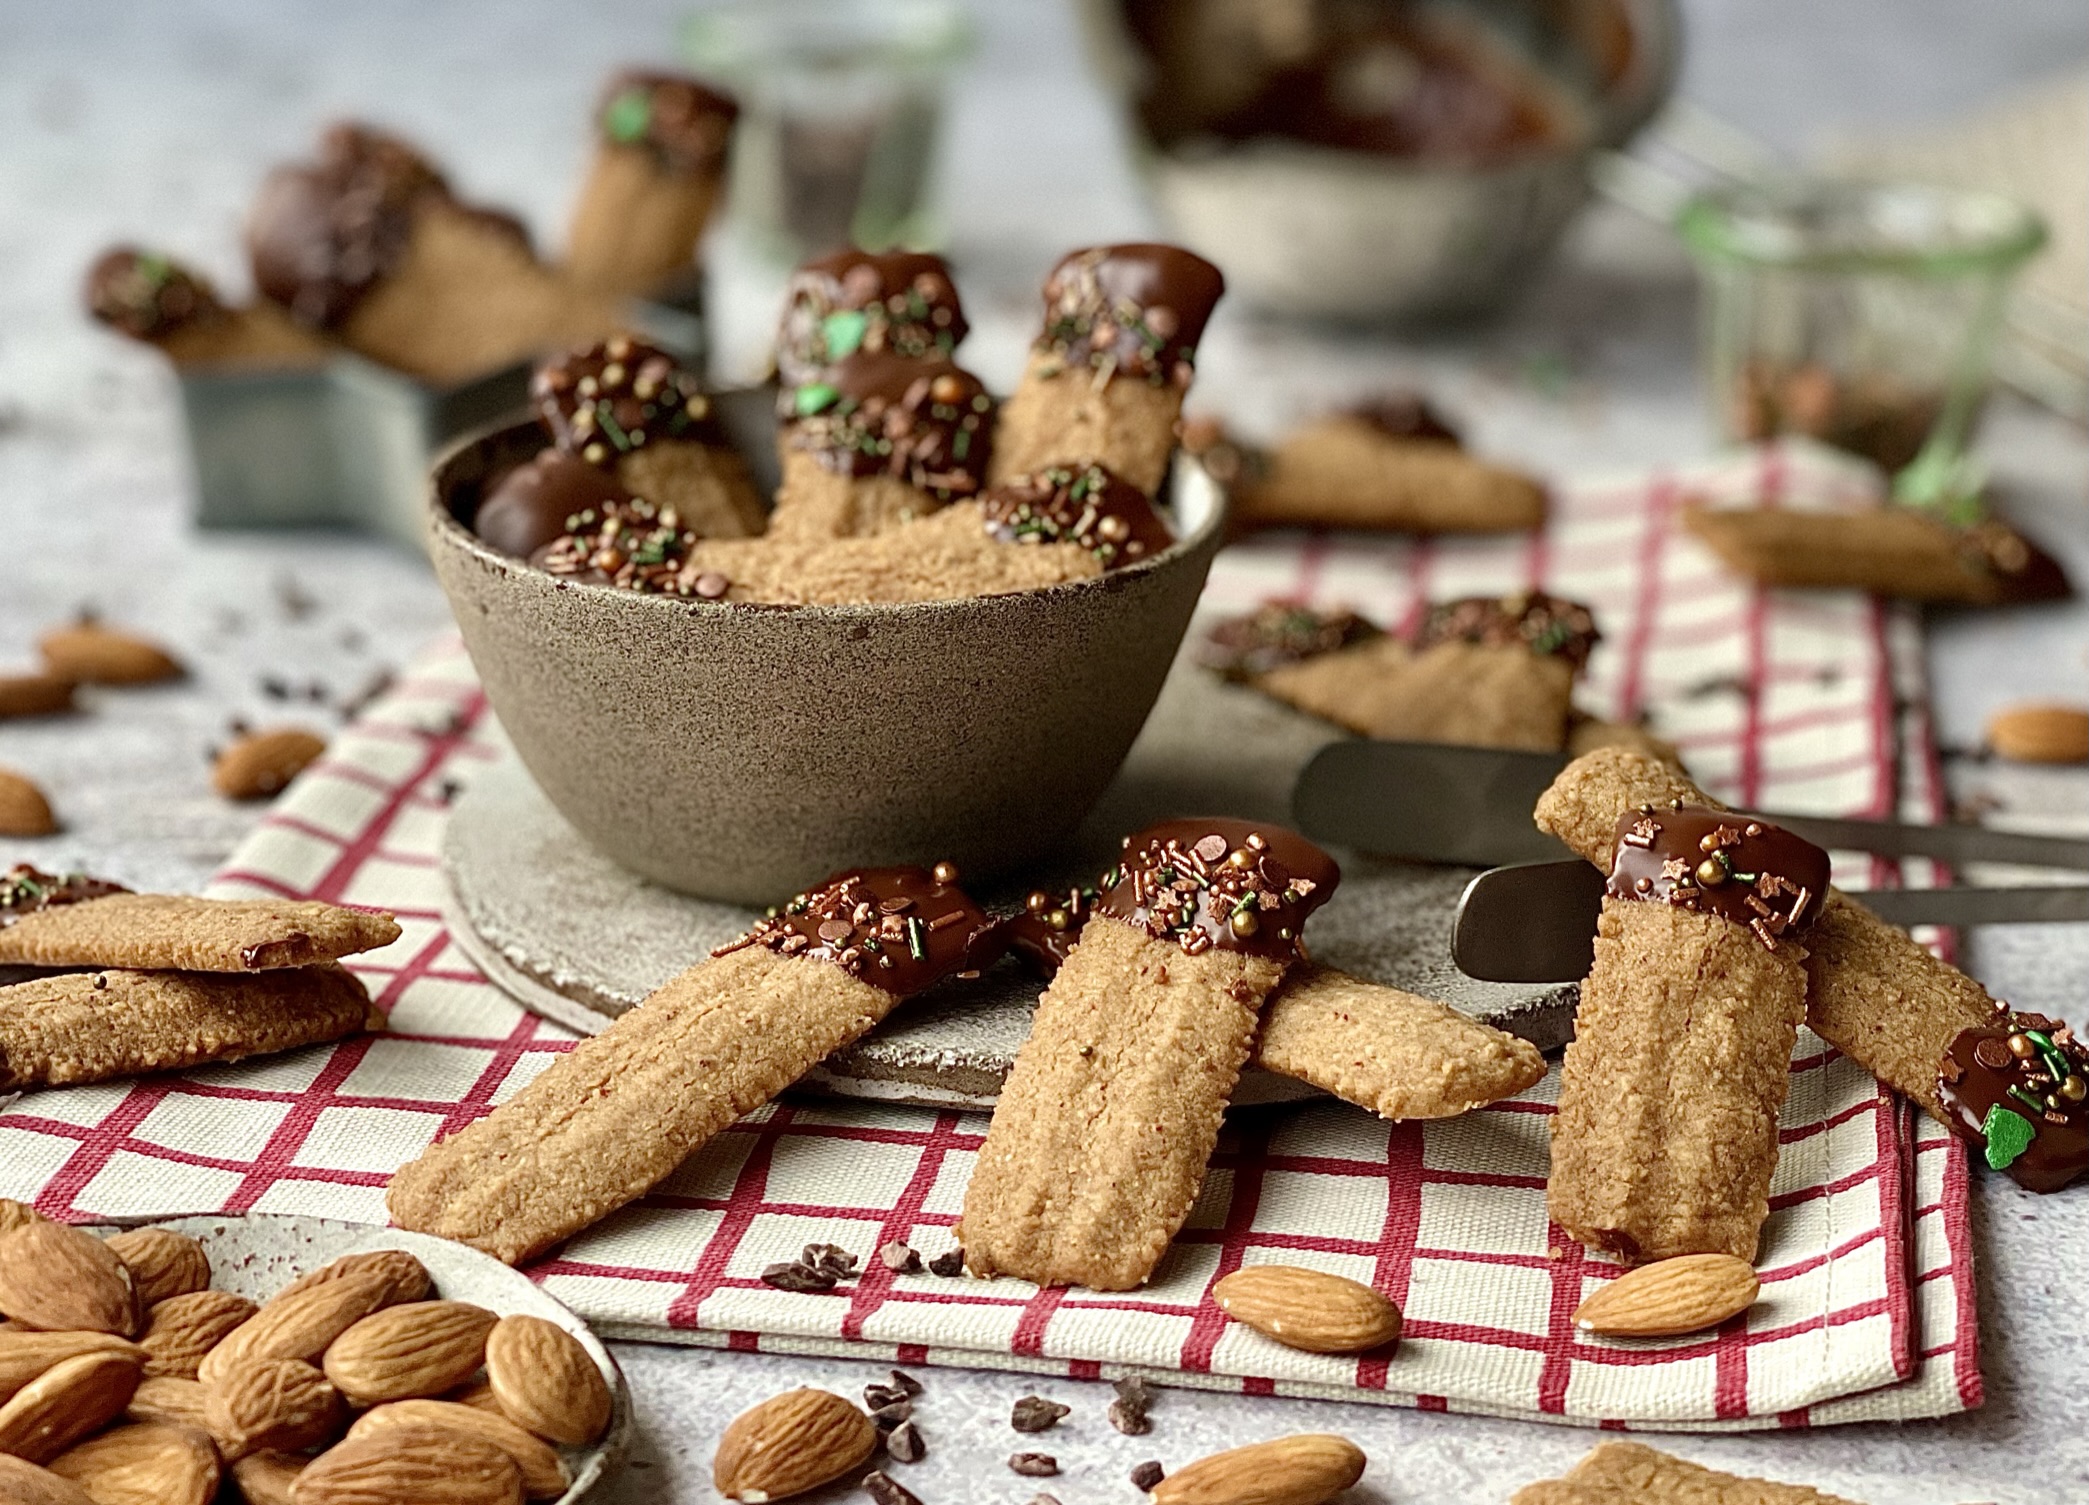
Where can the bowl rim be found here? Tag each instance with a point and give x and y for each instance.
(444, 529)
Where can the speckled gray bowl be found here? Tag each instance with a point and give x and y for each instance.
(741, 752)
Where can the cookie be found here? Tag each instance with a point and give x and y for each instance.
(610, 1120)
(156, 300)
(901, 303)
(1395, 1054)
(1276, 634)
(1889, 551)
(1100, 1138)
(1631, 1473)
(52, 921)
(1088, 505)
(1666, 1134)
(2017, 1088)
(1586, 733)
(1107, 373)
(660, 155)
(91, 1026)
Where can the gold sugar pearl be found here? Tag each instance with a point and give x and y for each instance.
(2074, 1089)
(944, 873)
(1037, 901)
(1058, 919)
(1245, 923)
(1711, 872)
(2021, 1047)
(1242, 858)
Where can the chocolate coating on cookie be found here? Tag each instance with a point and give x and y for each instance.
(1235, 884)
(620, 395)
(1533, 620)
(634, 545)
(1089, 505)
(1277, 633)
(900, 929)
(2019, 1089)
(1135, 310)
(1406, 415)
(894, 302)
(1718, 863)
(686, 125)
(1042, 934)
(147, 296)
(928, 423)
(25, 889)
(541, 500)
(2021, 570)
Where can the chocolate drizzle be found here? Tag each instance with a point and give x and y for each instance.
(619, 396)
(895, 303)
(1718, 863)
(2019, 1089)
(1534, 620)
(900, 929)
(541, 500)
(1277, 633)
(1133, 311)
(1092, 506)
(147, 296)
(928, 423)
(1233, 884)
(25, 889)
(1406, 415)
(686, 126)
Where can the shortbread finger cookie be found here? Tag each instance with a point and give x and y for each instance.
(1874, 992)
(1889, 551)
(1666, 1134)
(1396, 1054)
(613, 1117)
(1087, 505)
(1631, 1473)
(51, 921)
(91, 1026)
(1100, 1139)
(900, 303)
(156, 300)
(1276, 634)
(633, 410)
(660, 155)
(1586, 733)
(1106, 377)
(877, 440)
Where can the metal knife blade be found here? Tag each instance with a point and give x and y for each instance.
(1472, 805)
(1536, 921)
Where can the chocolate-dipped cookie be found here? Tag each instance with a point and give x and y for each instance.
(1088, 505)
(885, 303)
(2017, 1088)
(156, 300)
(662, 140)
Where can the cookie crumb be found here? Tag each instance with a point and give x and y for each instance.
(1033, 1413)
(789, 1275)
(1128, 1411)
(1146, 1475)
(886, 1490)
(905, 1443)
(829, 1259)
(885, 1417)
(950, 1262)
(901, 1380)
(1034, 1465)
(900, 1259)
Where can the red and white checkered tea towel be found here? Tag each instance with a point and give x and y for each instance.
(1867, 1307)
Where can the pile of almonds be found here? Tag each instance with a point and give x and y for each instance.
(126, 1380)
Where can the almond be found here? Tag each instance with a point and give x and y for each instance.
(545, 1381)
(411, 1466)
(95, 655)
(34, 695)
(1308, 1309)
(143, 1464)
(182, 1329)
(2040, 734)
(25, 1355)
(23, 1483)
(543, 1475)
(162, 1264)
(479, 1395)
(298, 1325)
(402, 1277)
(54, 1278)
(65, 1403)
(266, 1478)
(1681, 1295)
(1300, 1470)
(23, 809)
(176, 1403)
(790, 1443)
(283, 1404)
(14, 1214)
(405, 1352)
(260, 763)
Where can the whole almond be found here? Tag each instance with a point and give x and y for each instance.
(25, 1355)
(790, 1443)
(543, 1475)
(478, 1394)
(266, 1478)
(95, 655)
(283, 1404)
(162, 1264)
(14, 1214)
(1300, 1470)
(260, 763)
(1681, 1295)
(399, 1274)
(411, 1466)
(34, 695)
(65, 1403)
(172, 1402)
(182, 1329)
(23, 809)
(143, 1464)
(23, 1483)
(1308, 1309)
(545, 1381)
(2040, 734)
(298, 1325)
(55, 1278)
(405, 1352)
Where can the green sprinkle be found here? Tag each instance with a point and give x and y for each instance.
(843, 330)
(154, 269)
(917, 940)
(611, 427)
(2008, 1135)
(628, 115)
(814, 397)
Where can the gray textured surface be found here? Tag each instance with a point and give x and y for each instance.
(156, 120)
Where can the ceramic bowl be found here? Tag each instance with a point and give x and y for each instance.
(741, 752)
